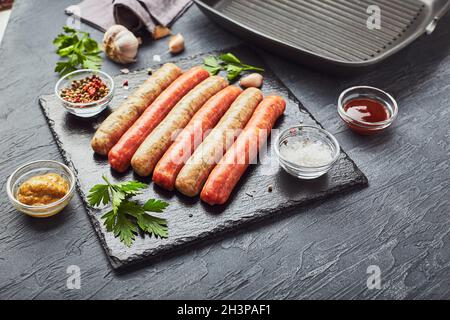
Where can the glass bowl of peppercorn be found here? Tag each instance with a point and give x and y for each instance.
(85, 93)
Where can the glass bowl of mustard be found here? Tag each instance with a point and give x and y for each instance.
(41, 188)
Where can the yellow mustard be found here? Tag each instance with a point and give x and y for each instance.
(43, 189)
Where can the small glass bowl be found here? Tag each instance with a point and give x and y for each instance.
(36, 168)
(315, 134)
(85, 110)
(361, 92)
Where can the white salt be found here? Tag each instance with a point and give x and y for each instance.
(306, 152)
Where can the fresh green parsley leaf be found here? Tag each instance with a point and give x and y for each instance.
(212, 65)
(92, 62)
(64, 67)
(211, 62)
(147, 223)
(65, 51)
(110, 220)
(132, 208)
(230, 63)
(233, 72)
(154, 205)
(127, 217)
(90, 45)
(117, 198)
(246, 67)
(125, 229)
(78, 50)
(68, 29)
(212, 70)
(131, 188)
(229, 58)
(99, 194)
(153, 225)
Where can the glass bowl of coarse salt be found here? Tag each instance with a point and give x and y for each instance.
(306, 152)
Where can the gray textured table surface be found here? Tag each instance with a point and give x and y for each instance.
(400, 223)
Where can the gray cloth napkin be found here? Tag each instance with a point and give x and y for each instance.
(133, 14)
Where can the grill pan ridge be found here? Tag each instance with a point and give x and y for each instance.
(326, 33)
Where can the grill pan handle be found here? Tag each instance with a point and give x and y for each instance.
(432, 26)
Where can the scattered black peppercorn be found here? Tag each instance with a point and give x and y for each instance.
(191, 215)
(270, 189)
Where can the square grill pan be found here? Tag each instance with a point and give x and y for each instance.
(328, 34)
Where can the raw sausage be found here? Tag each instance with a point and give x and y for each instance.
(120, 155)
(115, 125)
(154, 146)
(232, 166)
(188, 140)
(193, 175)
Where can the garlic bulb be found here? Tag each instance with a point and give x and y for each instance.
(120, 44)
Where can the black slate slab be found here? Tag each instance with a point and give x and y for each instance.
(190, 220)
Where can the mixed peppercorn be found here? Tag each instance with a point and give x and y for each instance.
(86, 90)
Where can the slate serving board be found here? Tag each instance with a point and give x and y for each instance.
(189, 219)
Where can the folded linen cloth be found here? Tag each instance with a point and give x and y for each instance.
(133, 14)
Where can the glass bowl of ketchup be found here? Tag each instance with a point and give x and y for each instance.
(367, 110)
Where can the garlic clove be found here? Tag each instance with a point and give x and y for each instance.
(160, 32)
(120, 44)
(253, 80)
(176, 43)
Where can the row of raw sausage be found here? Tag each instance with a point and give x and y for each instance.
(184, 126)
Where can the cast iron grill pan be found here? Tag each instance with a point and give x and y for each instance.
(331, 31)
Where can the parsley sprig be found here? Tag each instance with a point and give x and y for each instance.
(127, 217)
(230, 63)
(77, 49)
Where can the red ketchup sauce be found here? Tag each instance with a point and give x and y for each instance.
(365, 110)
